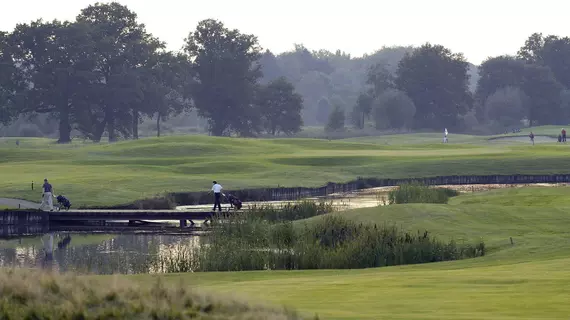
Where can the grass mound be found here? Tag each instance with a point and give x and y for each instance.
(33, 295)
(114, 174)
(528, 279)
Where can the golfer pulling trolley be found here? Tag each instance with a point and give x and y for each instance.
(234, 201)
(217, 189)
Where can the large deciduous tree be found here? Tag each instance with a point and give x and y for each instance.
(507, 106)
(437, 82)
(227, 73)
(281, 107)
(165, 87)
(336, 120)
(378, 80)
(123, 52)
(537, 82)
(362, 109)
(8, 82)
(531, 51)
(323, 110)
(53, 60)
(496, 73)
(393, 109)
(555, 54)
(544, 93)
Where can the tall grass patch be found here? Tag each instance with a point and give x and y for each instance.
(291, 211)
(26, 294)
(419, 193)
(251, 243)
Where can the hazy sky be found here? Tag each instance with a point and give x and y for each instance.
(478, 28)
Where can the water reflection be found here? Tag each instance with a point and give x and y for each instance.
(94, 253)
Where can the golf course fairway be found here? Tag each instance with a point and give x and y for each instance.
(528, 279)
(111, 174)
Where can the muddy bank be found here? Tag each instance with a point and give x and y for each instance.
(171, 200)
(467, 188)
(373, 197)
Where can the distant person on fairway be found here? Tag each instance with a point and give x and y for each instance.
(531, 136)
(217, 188)
(445, 136)
(47, 196)
(563, 135)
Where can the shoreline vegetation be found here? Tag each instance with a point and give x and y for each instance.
(267, 238)
(247, 243)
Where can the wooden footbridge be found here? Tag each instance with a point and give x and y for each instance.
(101, 217)
(131, 215)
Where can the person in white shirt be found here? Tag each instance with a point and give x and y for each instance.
(217, 188)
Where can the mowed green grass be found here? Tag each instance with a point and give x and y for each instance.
(527, 280)
(107, 174)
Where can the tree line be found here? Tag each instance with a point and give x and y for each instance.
(103, 72)
(430, 89)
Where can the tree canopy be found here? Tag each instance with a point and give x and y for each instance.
(103, 75)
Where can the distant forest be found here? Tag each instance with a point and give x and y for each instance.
(336, 77)
(124, 84)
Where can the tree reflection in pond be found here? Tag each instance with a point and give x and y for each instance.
(95, 254)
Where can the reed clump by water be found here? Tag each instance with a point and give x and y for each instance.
(291, 211)
(27, 294)
(333, 242)
(419, 193)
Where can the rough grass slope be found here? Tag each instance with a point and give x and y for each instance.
(28, 294)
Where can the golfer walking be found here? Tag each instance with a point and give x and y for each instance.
(47, 195)
(217, 188)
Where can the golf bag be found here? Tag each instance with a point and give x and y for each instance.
(234, 202)
(63, 202)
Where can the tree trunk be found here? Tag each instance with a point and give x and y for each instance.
(217, 129)
(158, 124)
(64, 127)
(135, 124)
(99, 130)
(111, 127)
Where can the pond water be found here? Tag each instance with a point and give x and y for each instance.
(131, 253)
(93, 253)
